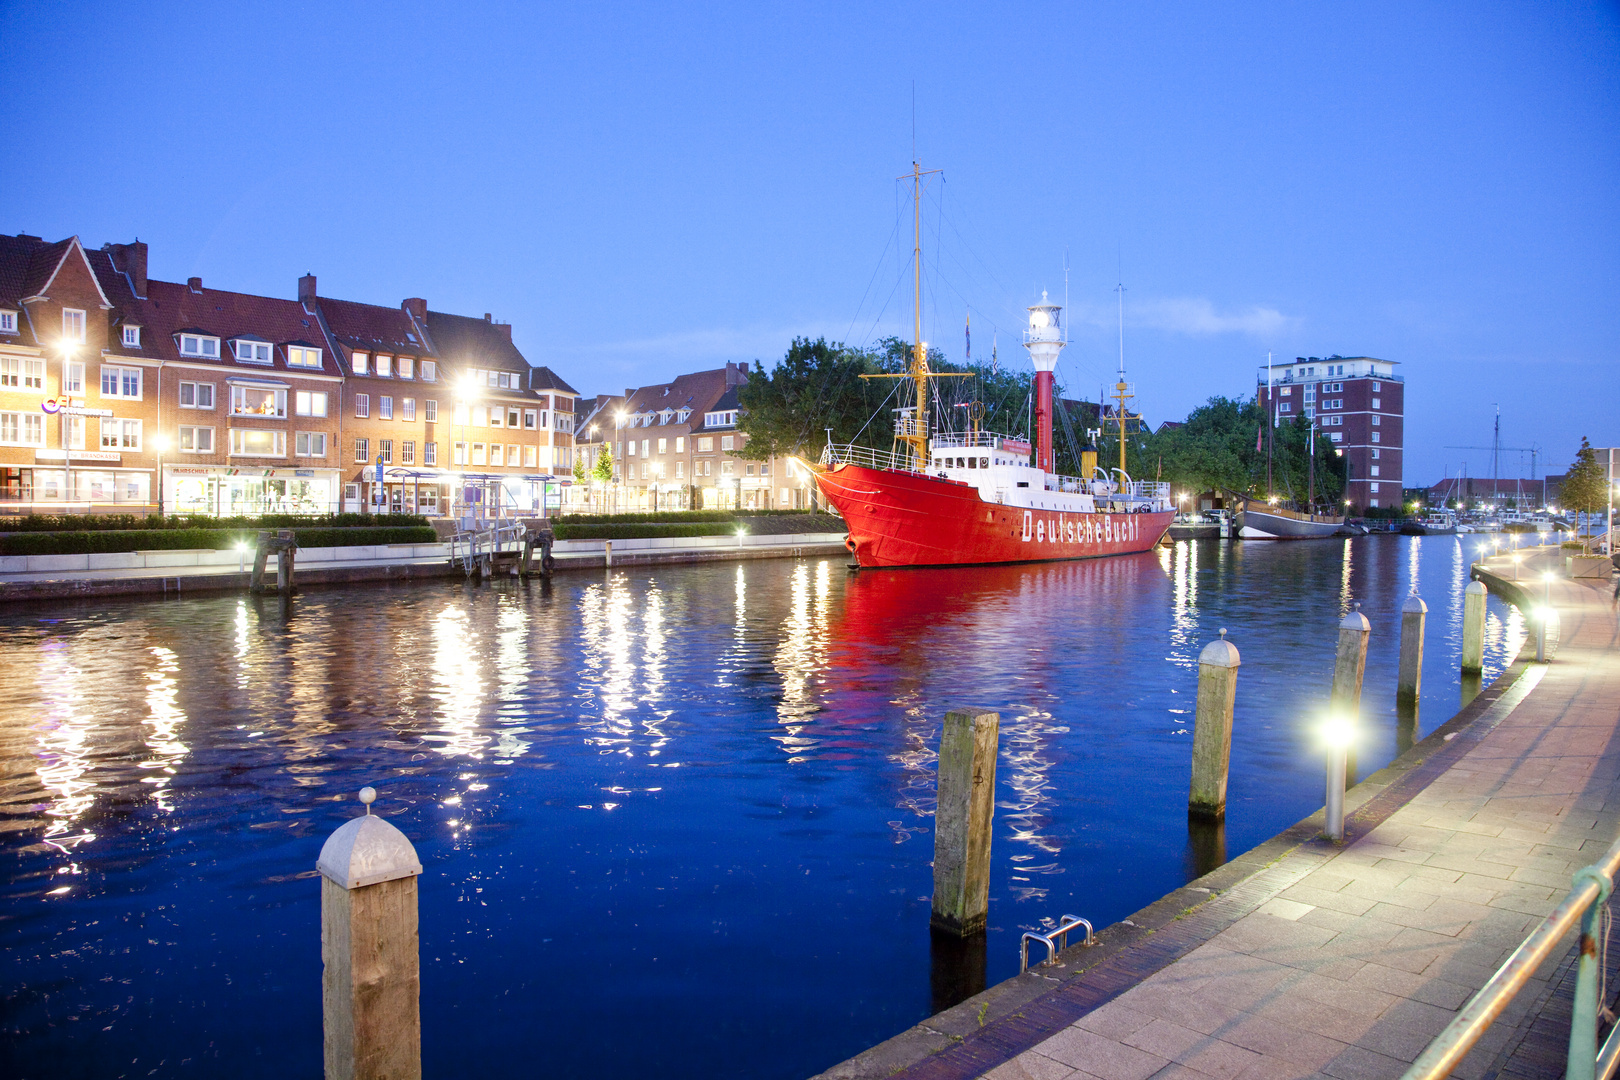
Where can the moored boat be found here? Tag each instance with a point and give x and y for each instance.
(1257, 519)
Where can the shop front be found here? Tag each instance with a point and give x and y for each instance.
(439, 492)
(227, 492)
(87, 481)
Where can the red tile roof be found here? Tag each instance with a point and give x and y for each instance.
(170, 307)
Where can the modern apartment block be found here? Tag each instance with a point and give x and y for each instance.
(1356, 402)
(676, 445)
(118, 392)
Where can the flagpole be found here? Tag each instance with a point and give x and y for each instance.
(1271, 428)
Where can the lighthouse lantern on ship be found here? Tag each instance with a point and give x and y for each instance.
(1044, 340)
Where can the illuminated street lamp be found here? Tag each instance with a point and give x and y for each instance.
(1337, 733)
(161, 445)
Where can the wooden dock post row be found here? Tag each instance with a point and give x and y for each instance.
(1409, 684)
(1344, 709)
(370, 955)
(1473, 646)
(284, 545)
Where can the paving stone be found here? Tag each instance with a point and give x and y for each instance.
(1100, 1057)
(1032, 1066)
(1359, 1063)
(1116, 1020)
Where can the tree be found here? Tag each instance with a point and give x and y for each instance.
(581, 472)
(603, 469)
(1586, 486)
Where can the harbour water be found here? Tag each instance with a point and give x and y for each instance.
(674, 821)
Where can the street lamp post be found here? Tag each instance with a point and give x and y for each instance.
(66, 424)
(161, 445)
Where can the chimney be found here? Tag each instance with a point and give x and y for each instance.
(306, 288)
(487, 318)
(743, 367)
(194, 284)
(417, 307)
(506, 329)
(130, 260)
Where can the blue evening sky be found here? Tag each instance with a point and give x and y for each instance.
(643, 191)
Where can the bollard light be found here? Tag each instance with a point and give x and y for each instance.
(1337, 733)
(241, 558)
(1517, 556)
(740, 534)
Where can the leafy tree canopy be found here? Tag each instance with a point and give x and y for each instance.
(1585, 487)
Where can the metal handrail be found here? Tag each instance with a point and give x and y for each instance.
(1065, 924)
(1586, 900)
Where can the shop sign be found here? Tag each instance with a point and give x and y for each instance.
(303, 472)
(74, 410)
(188, 470)
(77, 455)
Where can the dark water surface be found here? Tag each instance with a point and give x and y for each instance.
(675, 821)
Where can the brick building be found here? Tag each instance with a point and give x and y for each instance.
(122, 393)
(1356, 402)
(676, 445)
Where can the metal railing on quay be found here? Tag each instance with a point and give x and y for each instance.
(1586, 902)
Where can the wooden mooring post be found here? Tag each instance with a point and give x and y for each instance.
(967, 784)
(1473, 643)
(370, 955)
(284, 545)
(1409, 684)
(1344, 708)
(1212, 729)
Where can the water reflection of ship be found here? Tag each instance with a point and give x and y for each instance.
(892, 640)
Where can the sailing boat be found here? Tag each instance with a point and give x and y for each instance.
(948, 498)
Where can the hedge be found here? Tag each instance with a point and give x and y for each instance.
(644, 530)
(127, 522)
(671, 517)
(110, 541)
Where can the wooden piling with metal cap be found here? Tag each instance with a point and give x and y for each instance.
(1409, 683)
(962, 820)
(370, 954)
(1212, 729)
(1344, 707)
(1473, 644)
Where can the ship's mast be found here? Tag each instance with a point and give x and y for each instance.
(1122, 391)
(915, 433)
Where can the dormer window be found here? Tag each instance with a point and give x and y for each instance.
(198, 345)
(73, 326)
(682, 415)
(430, 370)
(362, 362)
(253, 352)
(132, 337)
(303, 356)
(407, 367)
(385, 364)
(8, 322)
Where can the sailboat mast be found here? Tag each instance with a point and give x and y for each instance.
(916, 432)
(1271, 418)
(1119, 391)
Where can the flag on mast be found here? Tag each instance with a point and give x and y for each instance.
(1259, 437)
(969, 332)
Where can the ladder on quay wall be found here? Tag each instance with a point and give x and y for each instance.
(476, 545)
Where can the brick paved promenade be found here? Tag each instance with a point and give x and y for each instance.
(1304, 958)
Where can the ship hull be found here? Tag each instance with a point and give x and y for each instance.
(901, 519)
(1258, 525)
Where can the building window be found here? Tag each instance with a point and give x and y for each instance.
(385, 365)
(1377, 404)
(22, 429)
(1375, 454)
(728, 468)
(708, 467)
(705, 444)
(565, 421)
(362, 450)
(748, 470)
(646, 447)
(194, 395)
(1336, 436)
(478, 453)
(1377, 420)
(430, 370)
(362, 405)
(631, 445)
(430, 411)
(361, 362)
(458, 453)
(511, 418)
(407, 367)
(385, 451)
(1375, 470)
(680, 469)
(120, 382)
(728, 442)
(495, 455)
(663, 446)
(298, 356)
(310, 403)
(1376, 387)
(253, 352)
(257, 401)
(407, 452)
(132, 337)
(531, 457)
(1286, 391)
(253, 442)
(1375, 487)
(1375, 437)
(680, 444)
(1286, 406)
(310, 444)
(196, 440)
(430, 453)
(8, 322)
(764, 468)
(27, 374)
(198, 345)
(530, 418)
(385, 407)
(75, 377)
(407, 408)
(73, 326)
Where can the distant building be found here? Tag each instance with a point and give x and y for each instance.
(675, 446)
(1356, 402)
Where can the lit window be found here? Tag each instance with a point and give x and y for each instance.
(478, 453)
(258, 401)
(727, 442)
(132, 337)
(73, 326)
(407, 367)
(75, 378)
(663, 446)
(385, 365)
(22, 429)
(252, 442)
(705, 444)
(495, 454)
(680, 444)
(310, 403)
(298, 356)
(361, 362)
(407, 408)
(1377, 404)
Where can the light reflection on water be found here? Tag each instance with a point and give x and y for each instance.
(171, 769)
